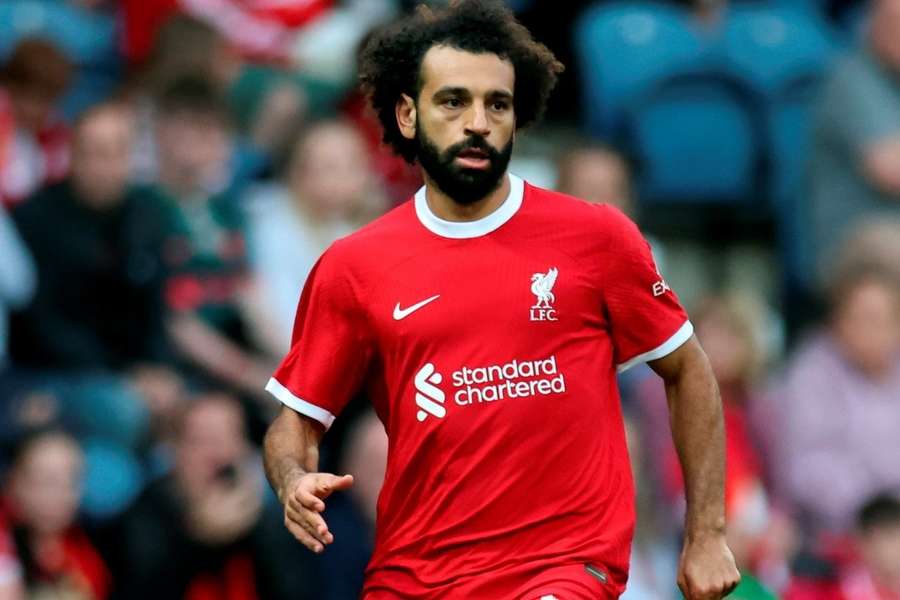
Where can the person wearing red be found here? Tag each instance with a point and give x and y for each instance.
(39, 507)
(871, 571)
(486, 319)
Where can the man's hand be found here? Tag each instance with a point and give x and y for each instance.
(303, 501)
(707, 570)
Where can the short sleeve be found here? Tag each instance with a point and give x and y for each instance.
(646, 319)
(330, 347)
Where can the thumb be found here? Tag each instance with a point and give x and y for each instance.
(329, 483)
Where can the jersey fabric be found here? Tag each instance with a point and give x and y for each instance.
(489, 350)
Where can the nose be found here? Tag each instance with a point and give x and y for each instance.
(478, 121)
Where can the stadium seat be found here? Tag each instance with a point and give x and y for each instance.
(696, 139)
(624, 48)
(770, 45)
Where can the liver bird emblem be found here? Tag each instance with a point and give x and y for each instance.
(542, 287)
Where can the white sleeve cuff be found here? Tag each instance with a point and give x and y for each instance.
(286, 397)
(670, 345)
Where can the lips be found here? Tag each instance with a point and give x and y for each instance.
(473, 153)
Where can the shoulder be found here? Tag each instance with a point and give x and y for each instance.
(606, 226)
(42, 204)
(371, 241)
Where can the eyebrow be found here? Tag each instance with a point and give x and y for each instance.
(465, 93)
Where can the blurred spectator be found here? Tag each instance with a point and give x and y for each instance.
(97, 244)
(329, 190)
(654, 551)
(184, 47)
(208, 530)
(351, 515)
(855, 162)
(33, 142)
(840, 402)
(205, 253)
(11, 585)
(17, 276)
(874, 574)
(40, 505)
(761, 537)
(263, 30)
(597, 174)
(601, 174)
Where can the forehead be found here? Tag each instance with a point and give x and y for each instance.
(444, 66)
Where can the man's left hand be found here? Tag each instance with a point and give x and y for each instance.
(707, 570)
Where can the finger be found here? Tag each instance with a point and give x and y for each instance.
(328, 483)
(303, 536)
(305, 498)
(313, 523)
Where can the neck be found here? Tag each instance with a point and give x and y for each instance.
(446, 208)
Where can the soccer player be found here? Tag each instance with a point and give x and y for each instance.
(486, 319)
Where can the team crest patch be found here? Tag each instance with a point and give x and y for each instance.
(542, 288)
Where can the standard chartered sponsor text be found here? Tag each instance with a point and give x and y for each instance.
(515, 379)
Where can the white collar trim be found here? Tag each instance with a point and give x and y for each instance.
(471, 229)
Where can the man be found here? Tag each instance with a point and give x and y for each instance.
(205, 255)
(206, 530)
(96, 244)
(855, 161)
(486, 319)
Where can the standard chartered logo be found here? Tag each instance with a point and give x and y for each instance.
(515, 379)
(429, 398)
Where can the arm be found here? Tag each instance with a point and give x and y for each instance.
(707, 568)
(218, 355)
(291, 458)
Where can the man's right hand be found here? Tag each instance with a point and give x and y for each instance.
(303, 500)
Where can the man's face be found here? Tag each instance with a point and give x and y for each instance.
(193, 148)
(465, 122)
(212, 438)
(101, 156)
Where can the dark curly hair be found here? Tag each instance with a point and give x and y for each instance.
(390, 63)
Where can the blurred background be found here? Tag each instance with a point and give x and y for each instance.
(171, 169)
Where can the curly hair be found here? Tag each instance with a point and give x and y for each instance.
(390, 63)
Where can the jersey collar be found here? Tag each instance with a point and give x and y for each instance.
(471, 229)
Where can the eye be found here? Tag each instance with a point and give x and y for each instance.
(453, 103)
(500, 105)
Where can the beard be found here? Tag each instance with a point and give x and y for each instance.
(463, 185)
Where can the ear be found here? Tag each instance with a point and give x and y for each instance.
(405, 112)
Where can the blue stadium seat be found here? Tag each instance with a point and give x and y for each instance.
(624, 48)
(769, 46)
(696, 139)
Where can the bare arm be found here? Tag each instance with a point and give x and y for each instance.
(290, 449)
(707, 567)
(218, 355)
(291, 458)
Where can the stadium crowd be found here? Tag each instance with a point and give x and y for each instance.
(171, 170)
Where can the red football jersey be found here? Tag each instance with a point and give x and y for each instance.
(489, 350)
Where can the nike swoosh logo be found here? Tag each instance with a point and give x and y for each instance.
(402, 313)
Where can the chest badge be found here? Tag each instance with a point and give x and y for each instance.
(542, 288)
